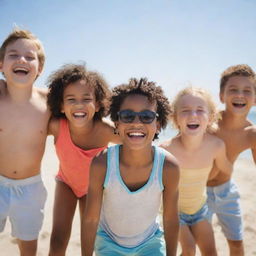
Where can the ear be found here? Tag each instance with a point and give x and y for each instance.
(40, 69)
(1, 66)
(97, 107)
(221, 96)
(158, 127)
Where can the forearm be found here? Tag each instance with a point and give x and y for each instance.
(171, 232)
(88, 235)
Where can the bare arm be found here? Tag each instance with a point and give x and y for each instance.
(170, 205)
(253, 140)
(91, 215)
(221, 160)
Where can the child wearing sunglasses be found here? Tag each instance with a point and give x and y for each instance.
(78, 100)
(128, 181)
(194, 114)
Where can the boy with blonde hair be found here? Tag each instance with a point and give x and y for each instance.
(24, 117)
(238, 93)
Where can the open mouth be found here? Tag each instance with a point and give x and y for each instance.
(79, 115)
(193, 126)
(136, 135)
(21, 71)
(239, 105)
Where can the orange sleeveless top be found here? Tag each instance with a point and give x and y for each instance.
(74, 162)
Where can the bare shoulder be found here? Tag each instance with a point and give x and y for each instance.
(107, 129)
(2, 87)
(167, 144)
(42, 92)
(214, 140)
(99, 163)
(252, 133)
(53, 127)
(171, 171)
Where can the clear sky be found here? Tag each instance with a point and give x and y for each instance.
(172, 42)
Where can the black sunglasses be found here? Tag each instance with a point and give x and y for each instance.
(145, 116)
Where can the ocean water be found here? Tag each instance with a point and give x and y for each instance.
(169, 132)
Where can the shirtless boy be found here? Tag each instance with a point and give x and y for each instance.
(238, 93)
(23, 128)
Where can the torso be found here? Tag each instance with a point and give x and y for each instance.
(23, 131)
(236, 141)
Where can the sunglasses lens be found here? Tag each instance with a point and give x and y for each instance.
(126, 116)
(147, 116)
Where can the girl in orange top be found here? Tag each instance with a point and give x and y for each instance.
(78, 100)
(196, 149)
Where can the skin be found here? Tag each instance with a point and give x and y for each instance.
(195, 148)
(236, 131)
(87, 134)
(136, 159)
(24, 118)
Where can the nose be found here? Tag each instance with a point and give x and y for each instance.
(22, 59)
(136, 120)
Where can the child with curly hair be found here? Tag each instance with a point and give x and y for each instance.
(78, 100)
(194, 114)
(128, 181)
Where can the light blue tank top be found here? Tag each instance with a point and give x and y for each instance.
(130, 217)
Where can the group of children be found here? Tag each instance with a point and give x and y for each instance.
(130, 181)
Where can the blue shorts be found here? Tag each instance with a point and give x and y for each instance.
(23, 202)
(224, 200)
(105, 246)
(192, 219)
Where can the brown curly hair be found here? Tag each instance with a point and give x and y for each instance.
(71, 73)
(237, 70)
(143, 87)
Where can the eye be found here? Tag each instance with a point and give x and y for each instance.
(30, 58)
(70, 100)
(13, 55)
(87, 99)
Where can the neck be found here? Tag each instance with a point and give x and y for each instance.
(18, 94)
(141, 157)
(231, 121)
(83, 130)
(191, 143)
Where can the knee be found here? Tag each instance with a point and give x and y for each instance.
(58, 244)
(236, 247)
(189, 251)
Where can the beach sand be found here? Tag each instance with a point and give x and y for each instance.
(244, 175)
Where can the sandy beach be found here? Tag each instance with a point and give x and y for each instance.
(244, 175)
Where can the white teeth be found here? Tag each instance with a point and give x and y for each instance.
(136, 134)
(21, 69)
(79, 114)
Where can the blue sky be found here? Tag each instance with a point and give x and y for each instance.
(172, 42)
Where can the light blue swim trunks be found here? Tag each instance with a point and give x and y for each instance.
(224, 200)
(192, 219)
(105, 246)
(23, 202)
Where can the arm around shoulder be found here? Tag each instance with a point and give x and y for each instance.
(170, 204)
(91, 215)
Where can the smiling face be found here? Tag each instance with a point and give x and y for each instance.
(192, 115)
(20, 64)
(137, 134)
(238, 95)
(79, 103)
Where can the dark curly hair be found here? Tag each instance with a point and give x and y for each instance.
(143, 87)
(71, 73)
(237, 70)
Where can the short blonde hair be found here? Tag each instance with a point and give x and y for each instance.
(206, 96)
(18, 33)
